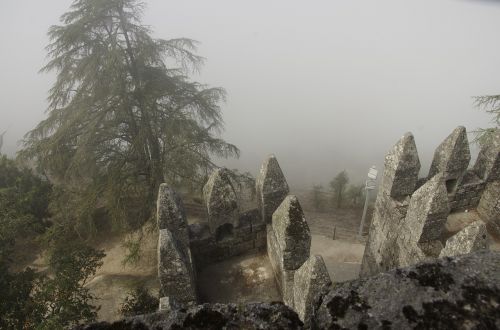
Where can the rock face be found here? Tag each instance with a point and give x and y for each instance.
(401, 168)
(489, 206)
(450, 293)
(487, 165)
(174, 270)
(271, 188)
(418, 236)
(210, 317)
(309, 282)
(171, 215)
(398, 183)
(221, 200)
(452, 156)
(472, 238)
(292, 233)
(288, 245)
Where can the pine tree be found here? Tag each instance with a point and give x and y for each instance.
(123, 116)
(338, 185)
(491, 104)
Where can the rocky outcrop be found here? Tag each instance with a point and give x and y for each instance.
(210, 317)
(489, 206)
(450, 293)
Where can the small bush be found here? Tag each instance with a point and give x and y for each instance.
(139, 301)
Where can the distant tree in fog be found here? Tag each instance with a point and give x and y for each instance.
(491, 104)
(355, 194)
(123, 116)
(338, 185)
(317, 196)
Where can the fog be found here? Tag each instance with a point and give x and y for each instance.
(324, 85)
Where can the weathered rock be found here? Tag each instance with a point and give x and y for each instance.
(419, 233)
(174, 270)
(171, 214)
(401, 168)
(487, 165)
(451, 293)
(452, 157)
(472, 238)
(292, 233)
(284, 278)
(310, 281)
(489, 206)
(271, 188)
(210, 317)
(400, 178)
(221, 200)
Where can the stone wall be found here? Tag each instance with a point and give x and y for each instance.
(410, 215)
(248, 237)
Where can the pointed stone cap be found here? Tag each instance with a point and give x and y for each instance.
(292, 233)
(472, 238)
(174, 270)
(428, 210)
(220, 199)
(487, 165)
(171, 215)
(401, 168)
(308, 283)
(452, 156)
(271, 187)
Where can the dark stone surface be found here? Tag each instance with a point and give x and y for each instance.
(215, 316)
(450, 293)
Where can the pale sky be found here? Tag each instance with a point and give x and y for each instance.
(324, 85)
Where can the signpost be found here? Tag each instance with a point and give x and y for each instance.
(369, 185)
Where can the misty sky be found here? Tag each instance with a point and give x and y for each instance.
(325, 85)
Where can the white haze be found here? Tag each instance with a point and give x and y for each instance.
(325, 85)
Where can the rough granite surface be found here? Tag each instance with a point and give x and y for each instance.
(489, 206)
(419, 233)
(487, 165)
(175, 271)
(271, 188)
(210, 317)
(452, 156)
(309, 282)
(221, 200)
(450, 293)
(171, 214)
(401, 167)
(473, 237)
(292, 233)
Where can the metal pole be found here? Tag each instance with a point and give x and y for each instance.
(362, 224)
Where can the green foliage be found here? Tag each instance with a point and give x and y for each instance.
(123, 116)
(139, 301)
(338, 185)
(31, 300)
(490, 104)
(317, 196)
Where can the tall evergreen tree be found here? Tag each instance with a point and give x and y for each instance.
(123, 115)
(491, 104)
(338, 185)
